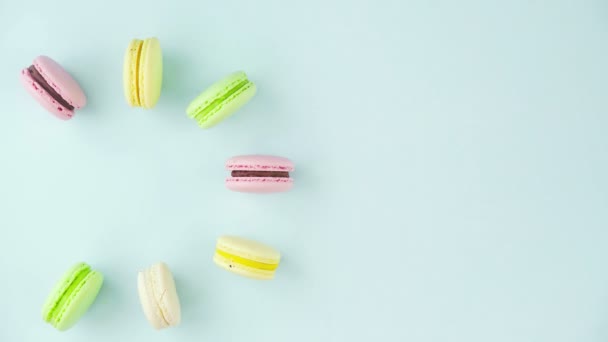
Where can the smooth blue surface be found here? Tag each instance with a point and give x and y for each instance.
(451, 180)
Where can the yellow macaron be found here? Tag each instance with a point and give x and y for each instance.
(143, 72)
(246, 257)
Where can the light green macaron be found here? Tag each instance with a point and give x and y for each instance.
(221, 99)
(72, 296)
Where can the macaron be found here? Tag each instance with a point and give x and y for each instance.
(158, 296)
(72, 296)
(247, 258)
(143, 72)
(259, 173)
(221, 100)
(53, 87)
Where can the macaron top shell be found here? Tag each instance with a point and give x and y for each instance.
(259, 163)
(150, 73)
(248, 249)
(61, 81)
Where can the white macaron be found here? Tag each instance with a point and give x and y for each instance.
(158, 296)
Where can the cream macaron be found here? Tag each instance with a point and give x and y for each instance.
(246, 257)
(158, 296)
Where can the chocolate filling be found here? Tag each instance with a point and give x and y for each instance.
(277, 174)
(42, 82)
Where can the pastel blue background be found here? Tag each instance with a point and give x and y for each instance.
(451, 180)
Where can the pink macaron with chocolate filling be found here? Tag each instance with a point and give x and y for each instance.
(259, 173)
(53, 87)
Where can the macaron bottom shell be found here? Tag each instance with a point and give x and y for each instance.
(259, 184)
(242, 270)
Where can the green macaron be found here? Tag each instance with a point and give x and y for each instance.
(221, 99)
(72, 296)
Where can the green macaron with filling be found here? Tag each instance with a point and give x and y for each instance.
(72, 296)
(221, 99)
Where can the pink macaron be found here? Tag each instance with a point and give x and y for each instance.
(53, 87)
(260, 174)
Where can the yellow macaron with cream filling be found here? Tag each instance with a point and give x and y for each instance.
(246, 257)
(143, 72)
